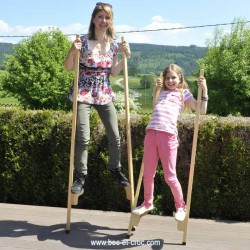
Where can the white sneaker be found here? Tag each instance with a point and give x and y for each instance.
(180, 214)
(142, 210)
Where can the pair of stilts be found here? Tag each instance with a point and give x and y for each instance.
(73, 198)
(181, 225)
(134, 219)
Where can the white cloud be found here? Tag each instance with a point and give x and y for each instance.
(4, 27)
(29, 30)
(74, 28)
(135, 37)
(177, 36)
(158, 19)
(20, 30)
(166, 36)
(158, 22)
(124, 27)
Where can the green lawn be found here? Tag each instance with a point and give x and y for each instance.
(3, 98)
(134, 83)
(8, 100)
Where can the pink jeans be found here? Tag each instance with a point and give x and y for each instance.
(163, 146)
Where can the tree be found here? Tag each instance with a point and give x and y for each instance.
(133, 71)
(119, 103)
(227, 70)
(35, 71)
(146, 81)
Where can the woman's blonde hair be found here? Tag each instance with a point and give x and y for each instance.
(110, 34)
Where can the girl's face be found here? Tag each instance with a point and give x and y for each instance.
(102, 21)
(172, 80)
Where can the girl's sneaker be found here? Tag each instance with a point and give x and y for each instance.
(142, 210)
(180, 214)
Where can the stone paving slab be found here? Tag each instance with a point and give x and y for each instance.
(37, 227)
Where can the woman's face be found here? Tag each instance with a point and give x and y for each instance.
(172, 80)
(102, 21)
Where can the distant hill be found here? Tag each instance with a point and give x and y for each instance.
(147, 58)
(154, 58)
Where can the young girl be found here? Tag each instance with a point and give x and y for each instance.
(161, 136)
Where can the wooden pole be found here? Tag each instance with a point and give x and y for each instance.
(135, 219)
(192, 164)
(128, 127)
(73, 132)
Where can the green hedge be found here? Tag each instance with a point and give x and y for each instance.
(34, 161)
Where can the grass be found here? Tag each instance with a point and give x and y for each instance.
(134, 83)
(6, 100)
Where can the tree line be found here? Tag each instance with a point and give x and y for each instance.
(147, 58)
(36, 75)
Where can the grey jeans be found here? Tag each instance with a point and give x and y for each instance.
(108, 116)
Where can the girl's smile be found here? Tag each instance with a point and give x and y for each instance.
(172, 80)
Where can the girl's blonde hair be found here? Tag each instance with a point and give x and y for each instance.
(179, 71)
(110, 34)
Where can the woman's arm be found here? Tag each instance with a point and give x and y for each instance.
(118, 65)
(69, 61)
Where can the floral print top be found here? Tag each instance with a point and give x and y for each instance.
(94, 71)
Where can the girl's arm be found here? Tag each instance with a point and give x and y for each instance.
(204, 97)
(69, 63)
(157, 90)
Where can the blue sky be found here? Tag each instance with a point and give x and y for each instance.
(24, 17)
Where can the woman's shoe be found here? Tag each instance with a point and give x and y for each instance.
(119, 177)
(78, 185)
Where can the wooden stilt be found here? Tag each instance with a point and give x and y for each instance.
(183, 226)
(180, 224)
(73, 199)
(128, 192)
(135, 219)
(128, 131)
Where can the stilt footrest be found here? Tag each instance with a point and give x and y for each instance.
(180, 224)
(134, 222)
(128, 192)
(74, 198)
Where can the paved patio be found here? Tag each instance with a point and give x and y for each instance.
(37, 227)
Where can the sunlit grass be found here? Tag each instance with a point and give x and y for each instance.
(134, 83)
(6, 100)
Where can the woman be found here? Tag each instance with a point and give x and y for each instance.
(98, 60)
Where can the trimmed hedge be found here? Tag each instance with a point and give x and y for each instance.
(34, 161)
